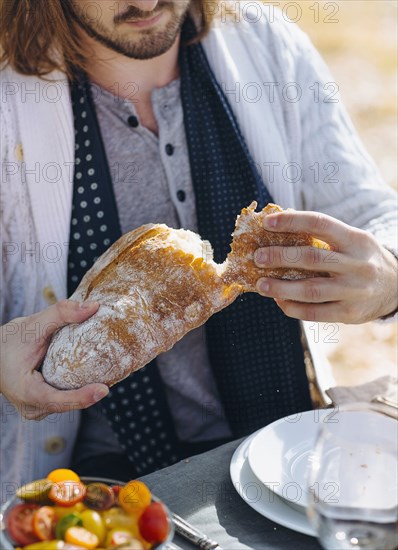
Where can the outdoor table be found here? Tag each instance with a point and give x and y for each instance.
(200, 490)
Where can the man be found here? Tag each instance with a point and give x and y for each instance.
(139, 121)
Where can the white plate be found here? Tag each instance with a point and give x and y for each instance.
(279, 453)
(260, 498)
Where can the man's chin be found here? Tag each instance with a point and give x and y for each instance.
(147, 46)
(144, 56)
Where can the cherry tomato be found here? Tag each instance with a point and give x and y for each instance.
(134, 497)
(67, 493)
(63, 474)
(36, 491)
(68, 546)
(47, 545)
(81, 537)
(119, 536)
(93, 522)
(61, 511)
(116, 490)
(70, 520)
(20, 523)
(133, 544)
(154, 523)
(116, 518)
(44, 523)
(99, 496)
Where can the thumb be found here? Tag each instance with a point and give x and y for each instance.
(84, 397)
(61, 314)
(45, 400)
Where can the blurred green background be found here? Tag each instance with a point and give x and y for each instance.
(358, 40)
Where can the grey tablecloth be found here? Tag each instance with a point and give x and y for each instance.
(200, 490)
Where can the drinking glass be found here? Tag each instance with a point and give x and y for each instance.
(352, 479)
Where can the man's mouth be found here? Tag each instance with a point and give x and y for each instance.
(140, 23)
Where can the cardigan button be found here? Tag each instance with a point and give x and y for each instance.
(49, 295)
(169, 149)
(54, 445)
(181, 195)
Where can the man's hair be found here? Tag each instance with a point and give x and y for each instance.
(39, 36)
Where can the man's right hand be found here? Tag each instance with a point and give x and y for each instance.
(24, 343)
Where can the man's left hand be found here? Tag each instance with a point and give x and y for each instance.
(362, 282)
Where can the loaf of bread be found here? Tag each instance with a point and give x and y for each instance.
(154, 285)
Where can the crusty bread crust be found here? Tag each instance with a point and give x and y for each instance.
(154, 285)
(249, 235)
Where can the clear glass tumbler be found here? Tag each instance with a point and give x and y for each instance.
(352, 479)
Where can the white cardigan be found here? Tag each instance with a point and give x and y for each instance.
(297, 132)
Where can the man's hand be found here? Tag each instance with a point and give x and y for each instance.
(363, 275)
(24, 343)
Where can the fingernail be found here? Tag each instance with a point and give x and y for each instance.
(88, 304)
(261, 257)
(100, 394)
(263, 285)
(270, 221)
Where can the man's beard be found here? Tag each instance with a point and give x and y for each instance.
(148, 43)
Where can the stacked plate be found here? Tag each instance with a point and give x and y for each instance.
(269, 469)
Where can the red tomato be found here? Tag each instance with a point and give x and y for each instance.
(20, 523)
(44, 521)
(67, 493)
(154, 523)
(116, 490)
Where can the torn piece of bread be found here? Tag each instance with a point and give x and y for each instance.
(249, 235)
(154, 285)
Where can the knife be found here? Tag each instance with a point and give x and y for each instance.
(189, 532)
(391, 408)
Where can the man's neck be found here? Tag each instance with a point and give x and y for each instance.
(132, 78)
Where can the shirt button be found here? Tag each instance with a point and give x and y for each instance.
(169, 149)
(54, 445)
(181, 195)
(133, 121)
(49, 295)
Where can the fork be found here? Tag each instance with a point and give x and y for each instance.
(196, 537)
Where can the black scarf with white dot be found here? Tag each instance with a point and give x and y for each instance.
(255, 350)
(136, 408)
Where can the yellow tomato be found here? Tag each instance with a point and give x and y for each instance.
(132, 544)
(62, 474)
(135, 497)
(116, 518)
(61, 511)
(45, 545)
(93, 522)
(81, 537)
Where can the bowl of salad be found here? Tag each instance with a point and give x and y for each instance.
(66, 512)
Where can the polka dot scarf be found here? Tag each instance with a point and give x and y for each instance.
(255, 350)
(95, 224)
(136, 408)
